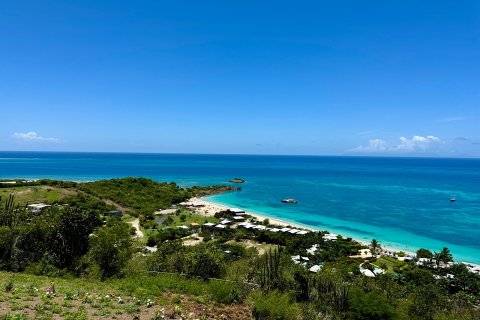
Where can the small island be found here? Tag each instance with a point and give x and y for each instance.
(237, 180)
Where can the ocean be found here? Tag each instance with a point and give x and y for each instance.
(401, 202)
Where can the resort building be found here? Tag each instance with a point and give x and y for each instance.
(36, 208)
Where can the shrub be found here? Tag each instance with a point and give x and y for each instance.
(204, 262)
(370, 306)
(225, 292)
(274, 305)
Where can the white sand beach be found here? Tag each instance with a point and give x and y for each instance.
(209, 208)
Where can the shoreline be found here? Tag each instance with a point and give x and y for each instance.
(210, 206)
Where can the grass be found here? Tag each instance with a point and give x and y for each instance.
(27, 297)
(145, 286)
(261, 247)
(128, 218)
(24, 195)
(186, 218)
(390, 262)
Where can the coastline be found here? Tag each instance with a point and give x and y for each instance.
(210, 207)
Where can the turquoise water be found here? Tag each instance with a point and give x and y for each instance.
(402, 202)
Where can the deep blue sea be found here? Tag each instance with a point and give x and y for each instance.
(402, 202)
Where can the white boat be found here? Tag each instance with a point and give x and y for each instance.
(289, 201)
(453, 199)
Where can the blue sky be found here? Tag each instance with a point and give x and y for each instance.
(261, 77)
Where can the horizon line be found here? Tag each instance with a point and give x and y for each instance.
(418, 156)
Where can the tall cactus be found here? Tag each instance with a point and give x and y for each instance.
(268, 267)
(340, 296)
(10, 213)
(327, 288)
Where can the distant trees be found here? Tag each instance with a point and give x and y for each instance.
(143, 195)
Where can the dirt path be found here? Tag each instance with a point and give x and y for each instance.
(136, 224)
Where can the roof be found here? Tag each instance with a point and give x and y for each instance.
(302, 232)
(209, 224)
(315, 268)
(38, 206)
(367, 273)
(183, 227)
(236, 210)
(330, 236)
(220, 226)
(312, 249)
(238, 218)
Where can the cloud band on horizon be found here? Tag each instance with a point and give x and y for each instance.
(416, 144)
(32, 136)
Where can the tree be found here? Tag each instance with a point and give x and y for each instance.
(427, 301)
(370, 306)
(464, 279)
(419, 277)
(204, 262)
(424, 253)
(70, 239)
(110, 248)
(375, 247)
(445, 255)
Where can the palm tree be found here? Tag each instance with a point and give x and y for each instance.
(445, 255)
(375, 246)
(437, 257)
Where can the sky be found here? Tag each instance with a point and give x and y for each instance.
(248, 77)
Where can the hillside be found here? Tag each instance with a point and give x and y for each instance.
(202, 267)
(24, 296)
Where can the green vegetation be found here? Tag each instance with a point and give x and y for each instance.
(73, 261)
(40, 297)
(143, 195)
(35, 194)
(391, 265)
(186, 218)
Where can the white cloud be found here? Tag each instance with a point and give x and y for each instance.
(416, 144)
(32, 136)
(374, 145)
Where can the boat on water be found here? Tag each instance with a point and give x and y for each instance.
(289, 201)
(453, 199)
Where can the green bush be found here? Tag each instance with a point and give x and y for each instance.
(225, 292)
(274, 306)
(370, 306)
